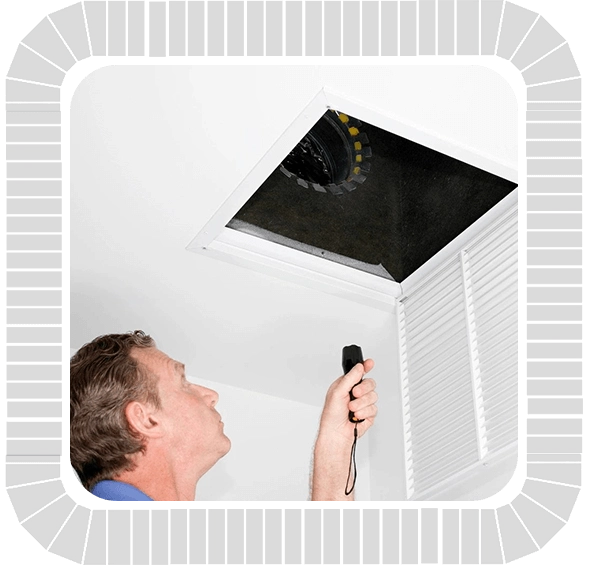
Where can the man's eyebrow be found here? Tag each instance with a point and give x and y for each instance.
(180, 367)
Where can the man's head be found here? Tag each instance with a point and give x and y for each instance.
(124, 394)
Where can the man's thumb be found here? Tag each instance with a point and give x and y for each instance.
(352, 378)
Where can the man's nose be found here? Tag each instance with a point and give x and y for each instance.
(211, 395)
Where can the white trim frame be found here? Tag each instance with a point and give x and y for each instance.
(216, 240)
(296, 266)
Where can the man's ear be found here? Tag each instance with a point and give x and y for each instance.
(143, 418)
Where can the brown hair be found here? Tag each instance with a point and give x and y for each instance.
(104, 379)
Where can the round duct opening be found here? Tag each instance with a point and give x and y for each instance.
(331, 156)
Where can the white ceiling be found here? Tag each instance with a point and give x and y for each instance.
(156, 150)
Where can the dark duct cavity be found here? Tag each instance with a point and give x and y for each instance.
(412, 203)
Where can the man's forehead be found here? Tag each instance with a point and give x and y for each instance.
(151, 355)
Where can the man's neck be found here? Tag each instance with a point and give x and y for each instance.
(157, 478)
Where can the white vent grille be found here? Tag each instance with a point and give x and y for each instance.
(458, 338)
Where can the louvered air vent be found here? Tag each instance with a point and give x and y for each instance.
(458, 339)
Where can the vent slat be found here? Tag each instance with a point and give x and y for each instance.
(504, 440)
(499, 402)
(418, 323)
(437, 420)
(457, 348)
(486, 303)
(433, 282)
(486, 262)
(497, 236)
(498, 278)
(442, 371)
(443, 441)
(499, 262)
(434, 465)
(502, 429)
(450, 348)
(429, 401)
(500, 325)
(452, 421)
(441, 381)
(438, 295)
(490, 392)
(492, 309)
(507, 343)
(492, 380)
(455, 462)
(434, 340)
(501, 356)
(503, 426)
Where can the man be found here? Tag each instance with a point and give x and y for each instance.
(140, 431)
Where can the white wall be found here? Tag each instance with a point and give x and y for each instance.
(154, 153)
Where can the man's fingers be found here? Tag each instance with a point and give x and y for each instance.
(367, 413)
(366, 400)
(366, 386)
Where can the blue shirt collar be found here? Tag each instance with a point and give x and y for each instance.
(116, 491)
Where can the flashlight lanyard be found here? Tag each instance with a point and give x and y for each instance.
(352, 460)
(350, 357)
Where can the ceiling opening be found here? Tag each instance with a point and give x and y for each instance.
(356, 194)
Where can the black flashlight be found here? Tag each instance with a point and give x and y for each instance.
(352, 355)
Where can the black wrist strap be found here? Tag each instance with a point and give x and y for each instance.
(352, 460)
